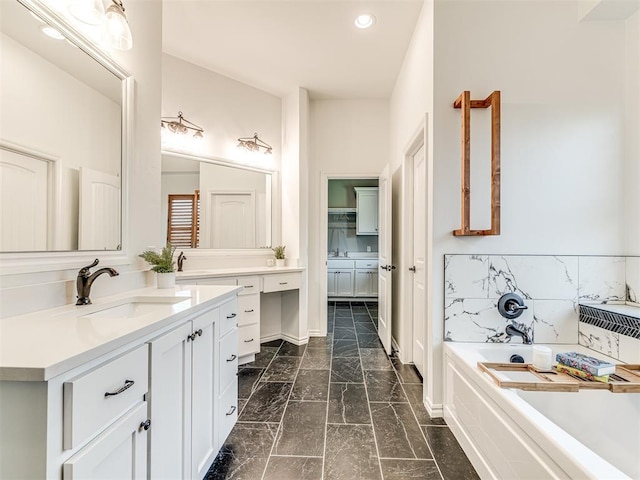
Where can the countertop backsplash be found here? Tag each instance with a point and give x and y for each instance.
(553, 287)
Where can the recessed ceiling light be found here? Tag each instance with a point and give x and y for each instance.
(51, 32)
(365, 20)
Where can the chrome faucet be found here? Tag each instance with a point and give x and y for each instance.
(181, 259)
(86, 278)
(512, 330)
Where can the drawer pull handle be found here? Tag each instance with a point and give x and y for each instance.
(127, 384)
(248, 286)
(283, 283)
(230, 412)
(249, 311)
(232, 358)
(233, 315)
(248, 341)
(145, 425)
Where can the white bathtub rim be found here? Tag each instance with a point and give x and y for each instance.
(541, 429)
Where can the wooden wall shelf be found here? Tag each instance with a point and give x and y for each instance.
(465, 103)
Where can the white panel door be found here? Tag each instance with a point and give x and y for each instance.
(233, 220)
(419, 257)
(119, 452)
(384, 259)
(99, 206)
(204, 442)
(24, 206)
(170, 405)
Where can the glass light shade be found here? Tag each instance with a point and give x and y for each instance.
(51, 32)
(117, 29)
(90, 12)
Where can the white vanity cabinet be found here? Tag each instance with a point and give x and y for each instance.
(366, 278)
(185, 392)
(366, 210)
(340, 277)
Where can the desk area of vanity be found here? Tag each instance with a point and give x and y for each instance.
(269, 305)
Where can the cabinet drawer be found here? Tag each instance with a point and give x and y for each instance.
(249, 309)
(336, 263)
(251, 285)
(228, 412)
(228, 359)
(248, 340)
(373, 263)
(277, 283)
(95, 399)
(215, 281)
(228, 316)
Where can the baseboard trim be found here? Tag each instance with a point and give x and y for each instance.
(435, 410)
(270, 338)
(315, 333)
(395, 347)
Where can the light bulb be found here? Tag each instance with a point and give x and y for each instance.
(365, 20)
(90, 12)
(117, 28)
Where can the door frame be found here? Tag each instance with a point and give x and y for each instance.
(324, 231)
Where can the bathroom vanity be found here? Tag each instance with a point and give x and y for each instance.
(268, 303)
(138, 385)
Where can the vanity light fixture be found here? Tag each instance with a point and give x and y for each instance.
(365, 20)
(254, 144)
(181, 126)
(116, 27)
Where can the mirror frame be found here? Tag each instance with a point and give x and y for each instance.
(33, 262)
(275, 207)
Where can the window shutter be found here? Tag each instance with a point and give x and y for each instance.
(183, 228)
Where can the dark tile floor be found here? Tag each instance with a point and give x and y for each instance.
(337, 408)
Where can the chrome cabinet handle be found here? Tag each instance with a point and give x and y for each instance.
(146, 424)
(127, 384)
(233, 315)
(230, 412)
(249, 311)
(248, 341)
(233, 357)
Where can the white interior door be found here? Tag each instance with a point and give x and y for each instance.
(24, 202)
(419, 258)
(384, 259)
(233, 220)
(99, 207)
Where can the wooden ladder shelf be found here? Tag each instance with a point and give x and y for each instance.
(465, 103)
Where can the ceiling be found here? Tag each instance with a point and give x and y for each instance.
(278, 46)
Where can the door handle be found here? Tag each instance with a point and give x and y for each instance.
(412, 269)
(388, 268)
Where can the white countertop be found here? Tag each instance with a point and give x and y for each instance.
(236, 271)
(354, 256)
(41, 345)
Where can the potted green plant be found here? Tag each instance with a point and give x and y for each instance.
(279, 254)
(163, 265)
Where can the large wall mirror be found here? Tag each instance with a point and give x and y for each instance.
(211, 204)
(63, 116)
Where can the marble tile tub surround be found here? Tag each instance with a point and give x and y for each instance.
(551, 286)
(611, 329)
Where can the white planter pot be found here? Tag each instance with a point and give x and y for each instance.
(166, 280)
(280, 262)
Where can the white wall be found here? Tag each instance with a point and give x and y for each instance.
(29, 292)
(346, 137)
(632, 167)
(563, 134)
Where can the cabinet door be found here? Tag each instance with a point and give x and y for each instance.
(331, 283)
(119, 452)
(170, 405)
(373, 276)
(345, 283)
(204, 393)
(367, 216)
(363, 283)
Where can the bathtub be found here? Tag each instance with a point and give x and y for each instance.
(513, 434)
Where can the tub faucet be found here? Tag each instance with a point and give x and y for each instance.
(181, 259)
(85, 280)
(512, 330)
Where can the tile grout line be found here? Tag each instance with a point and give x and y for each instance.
(326, 418)
(366, 391)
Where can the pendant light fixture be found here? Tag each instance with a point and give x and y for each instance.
(117, 27)
(90, 12)
(254, 144)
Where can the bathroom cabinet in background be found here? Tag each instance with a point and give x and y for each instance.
(367, 210)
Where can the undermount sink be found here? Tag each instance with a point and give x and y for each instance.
(136, 307)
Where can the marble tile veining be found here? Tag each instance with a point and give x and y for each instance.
(397, 433)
